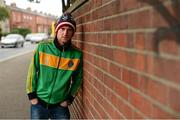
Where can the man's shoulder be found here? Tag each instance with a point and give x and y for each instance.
(45, 43)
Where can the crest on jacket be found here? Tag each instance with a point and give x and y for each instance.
(70, 63)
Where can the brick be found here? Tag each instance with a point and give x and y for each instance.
(107, 53)
(87, 109)
(98, 97)
(101, 111)
(167, 69)
(100, 26)
(118, 6)
(108, 9)
(94, 111)
(96, 62)
(107, 24)
(168, 44)
(104, 65)
(120, 90)
(140, 62)
(105, 1)
(117, 115)
(119, 56)
(130, 40)
(157, 91)
(110, 95)
(98, 74)
(104, 39)
(119, 22)
(143, 81)
(108, 107)
(100, 87)
(119, 40)
(141, 103)
(131, 4)
(161, 114)
(150, 64)
(115, 71)
(124, 109)
(137, 115)
(174, 97)
(130, 78)
(130, 59)
(140, 41)
(135, 20)
(99, 50)
(98, 3)
(150, 43)
(108, 81)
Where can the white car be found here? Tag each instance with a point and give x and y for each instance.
(38, 37)
(12, 40)
(28, 36)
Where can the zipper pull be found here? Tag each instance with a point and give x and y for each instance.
(63, 48)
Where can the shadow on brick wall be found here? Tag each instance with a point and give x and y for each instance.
(81, 46)
(173, 29)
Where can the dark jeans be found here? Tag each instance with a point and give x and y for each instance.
(58, 112)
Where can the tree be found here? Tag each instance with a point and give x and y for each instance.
(22, 31)
(4, 13)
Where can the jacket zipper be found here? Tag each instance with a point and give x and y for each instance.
(55, 77)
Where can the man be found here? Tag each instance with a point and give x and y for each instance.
(55, 73)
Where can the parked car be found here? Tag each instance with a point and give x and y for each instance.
(38, 37)
(12, 40)
(28, 36)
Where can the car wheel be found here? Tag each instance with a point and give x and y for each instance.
(16, 45)
(22, 44)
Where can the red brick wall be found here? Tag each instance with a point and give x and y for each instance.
(131, 59)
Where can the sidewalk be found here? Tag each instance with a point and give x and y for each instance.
(14, 102)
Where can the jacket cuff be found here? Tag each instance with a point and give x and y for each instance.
(32, 95)
(70, 99)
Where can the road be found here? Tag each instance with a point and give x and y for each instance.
(7, 53)
(14, 64)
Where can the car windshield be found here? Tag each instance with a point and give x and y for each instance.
(29, 35)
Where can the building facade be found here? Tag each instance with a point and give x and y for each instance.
(26, 18)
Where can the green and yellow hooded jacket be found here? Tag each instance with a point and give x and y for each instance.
(55, 72)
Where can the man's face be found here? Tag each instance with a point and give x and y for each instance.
(64, 34)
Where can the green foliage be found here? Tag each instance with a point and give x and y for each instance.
(4, 13)
(22, 31)
(4, 34)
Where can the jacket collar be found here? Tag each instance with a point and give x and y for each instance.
(61, 47)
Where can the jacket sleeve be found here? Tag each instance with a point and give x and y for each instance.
(76, 81)
(32, 76)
